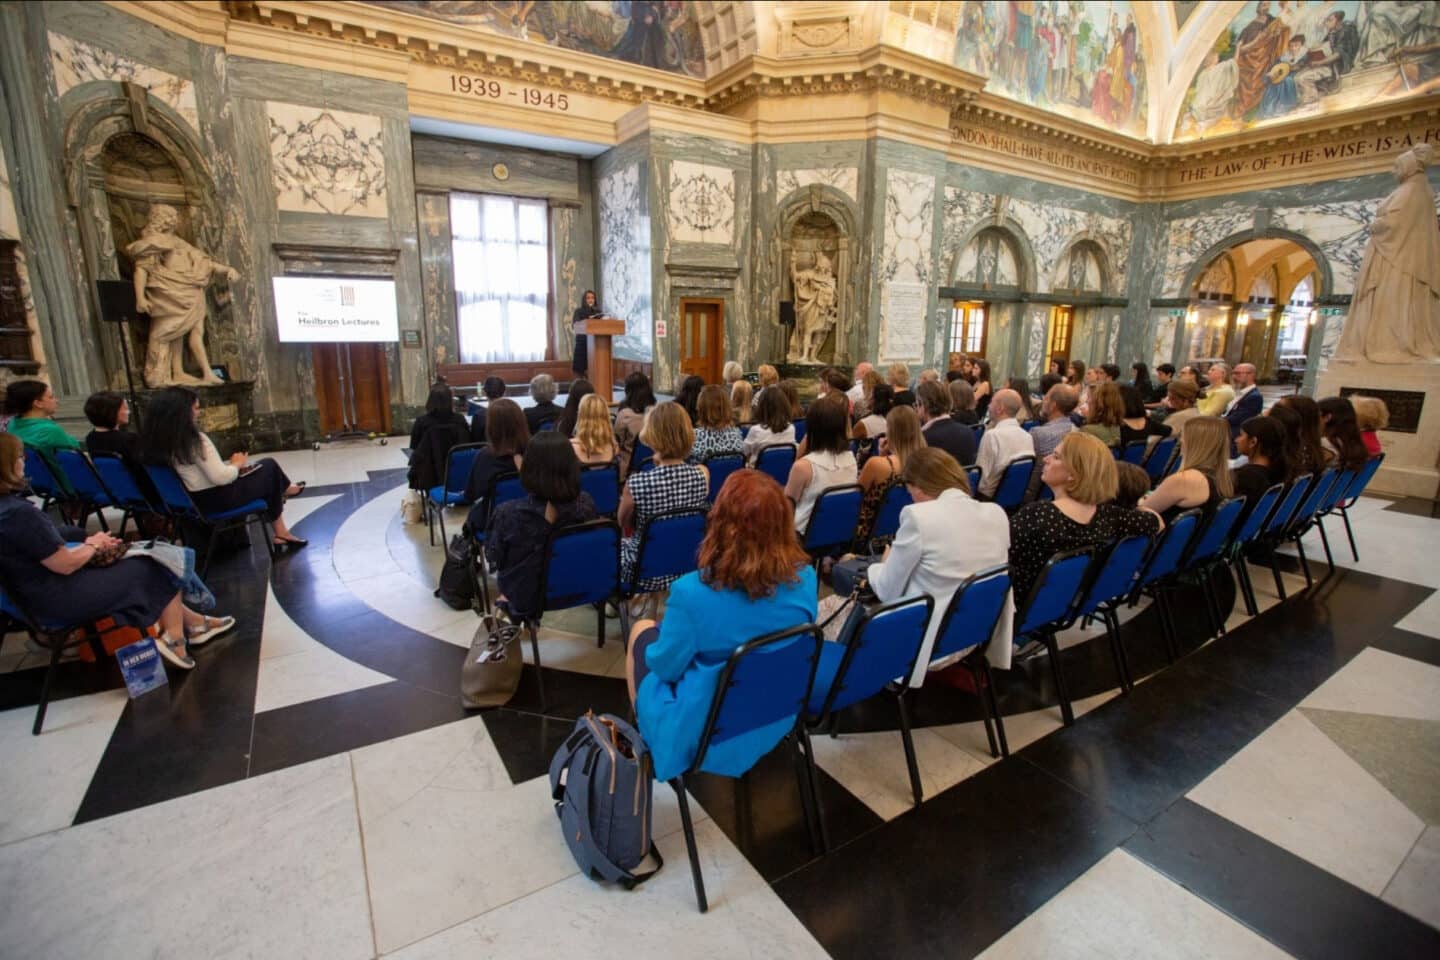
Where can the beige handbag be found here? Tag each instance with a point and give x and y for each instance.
(410, 507)
(492, 667)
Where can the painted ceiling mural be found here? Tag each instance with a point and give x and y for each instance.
(662, 34)
(1286, 59)
(1079, 59)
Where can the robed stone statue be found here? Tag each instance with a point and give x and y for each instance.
(1395, 312)
(816, 308)
(171, 277)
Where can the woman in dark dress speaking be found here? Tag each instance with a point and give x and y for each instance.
(585, 311)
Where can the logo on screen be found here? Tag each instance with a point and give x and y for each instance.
(347, 295)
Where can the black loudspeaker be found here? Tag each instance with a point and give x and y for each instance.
(787, 312)
(117, 301)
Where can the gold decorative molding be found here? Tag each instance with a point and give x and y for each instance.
(203, 21)
(315, 52)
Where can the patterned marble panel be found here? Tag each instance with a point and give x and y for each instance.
(1187, 238)
(963, 209)
(909, 217)
(625, 259)
(701, 207)
(327, 161)
(76, 62)
(9, 222)
(1035, 356)
(1334, 327)
(844, 179)
(1340, 229)
(1162, 341)
(1112, 350)
(1053, 229)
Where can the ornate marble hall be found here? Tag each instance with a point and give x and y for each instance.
(184, 183)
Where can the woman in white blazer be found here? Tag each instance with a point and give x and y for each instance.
(945, 536)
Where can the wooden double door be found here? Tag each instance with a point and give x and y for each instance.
(702, 338)
(352, 387)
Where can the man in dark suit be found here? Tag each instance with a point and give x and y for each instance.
(1247, 402)
(932, 403)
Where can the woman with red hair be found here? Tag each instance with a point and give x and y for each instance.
(753, 579)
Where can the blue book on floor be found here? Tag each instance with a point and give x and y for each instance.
(141, 666)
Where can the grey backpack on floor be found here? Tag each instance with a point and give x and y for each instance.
(600, 779)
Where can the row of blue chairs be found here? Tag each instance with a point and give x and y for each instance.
(92, 483)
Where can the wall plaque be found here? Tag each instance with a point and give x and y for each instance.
(1404, 406)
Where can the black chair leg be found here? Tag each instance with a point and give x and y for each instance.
(979, 680)
(535, 654)
(1275, 572)
(1212, 602)
(444, 539)
(429, 520)
(45, 685)
(1247, 589)
(600, 624)
(678, 784)
(1067, 713)
(993, 704)
(1167, 626)
(909, 744)
(1117, 650)
(1304, 561)
(1350, 533)
(1325, 542)
(812, 782)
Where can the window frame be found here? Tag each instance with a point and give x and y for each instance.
(961, 338)
(543, 300)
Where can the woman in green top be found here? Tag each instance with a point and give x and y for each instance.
(31, 405)
(1107, 412)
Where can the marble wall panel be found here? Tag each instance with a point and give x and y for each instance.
(437, 283)
(625, 258)
(445, 164)
(1162, 338)
(1187, 238)
(9, 220)
(1052, 230)
(700, 205)
(844, 179)
(1035, 361)
(909, 220)
(1340, 229)
(327, 161)
(75, 62)
(963, 210)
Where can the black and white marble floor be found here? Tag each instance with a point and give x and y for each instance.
(315, 789)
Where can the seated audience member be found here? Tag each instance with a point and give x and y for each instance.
(1189, 374)
(864, 383)
(594, 439)
(542, 391)
(580, 388)
(1218, 393)
(732, 373)
(492, 389)
(1107, 411)
(837, 382)
(1262, 443)
(1295, 457)
(753, 579)
(792, 396)
(1048, 381)
(31, 406)
(1081, 474)
(944, 537)
(1247, 401)
(885, 469)
(518, 529)
(933, 406)
(53, 582)
(1136, 423)
(1342, 433)
(1131, 485)
(672, 484)
(953, 374)
(1076, 376)
(1140, 379)
(742, 402)
(1110, 373)
(873, 423)
(1004, 442)
(715, 434)
(772, 425)
(864, 406)
(1055, 410)
(689, 394)
(1021, 386)
(436, 431)
(172, 437)
(1203, 479)
(1371, 415)
(828, 461)
(898, 376)
(1160, 387)
(109, 413)
(962, 403)
(983, 390)
(768, 377)
(439, 409)
(1310, 455)
(1179, 406)
(630, 418)
(509, 436)
(1057, 368)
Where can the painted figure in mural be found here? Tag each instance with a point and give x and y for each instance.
(1214, 90)
(171, 277)
(1258, 48)
(1123, 84)
(1042, 51)
(1337, 50)
(1280, 96)
(1395, 313)
(1386, 25)
(815, 308)
(647, 40)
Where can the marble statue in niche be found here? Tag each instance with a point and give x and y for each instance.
(171, 278)
(816, 310)
(1395, 313)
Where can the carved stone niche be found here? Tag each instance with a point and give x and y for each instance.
(819, 223)
(817, 27)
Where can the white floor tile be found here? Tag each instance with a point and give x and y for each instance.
(1296, 788)
(872, 767)
(658, 920)
(1424, 619)
(1381, 683)
(1122, 908)
(343, 462)
(312, 675)
(268, 867)
(1416, 886)
(301, 507)
(44, 778)
(1021, 729)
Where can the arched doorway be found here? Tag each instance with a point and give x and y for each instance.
(992, 266)
(1079, 329)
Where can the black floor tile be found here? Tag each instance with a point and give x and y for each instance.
(526, 742)
(1299, 907)
(950, 878)
(1416, 646)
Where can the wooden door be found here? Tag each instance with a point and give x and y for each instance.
(352, 387)
(702, 339)
(1062, 325)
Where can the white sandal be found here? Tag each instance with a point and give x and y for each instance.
(207, 633)
(174, 651)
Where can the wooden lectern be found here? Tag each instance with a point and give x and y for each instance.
(598, 331)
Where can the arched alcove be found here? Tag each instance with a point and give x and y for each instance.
(818, 220)
(1083, 268)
